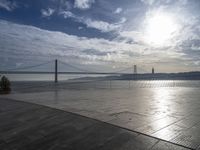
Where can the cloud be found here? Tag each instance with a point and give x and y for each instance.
(83, 4)
(8, 5)
(96, 24)
(48, 12)
(97, 53)
(68, 14)
(149, 2)
(160, 2)
(80, 28)
(101, 25)
(183, 46)
(118, 10)
(19, 43)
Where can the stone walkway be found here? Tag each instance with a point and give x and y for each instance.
(31, 126)
(167, 110)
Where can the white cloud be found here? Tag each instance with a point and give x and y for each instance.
(151, 2)
(68, 14)
(96, 24)
(21, 42)
(48, 12)
(122, 20)
(83, 4)
(80, 28)
(132, 35)
(8, 5)
(101, 25)
(118, 10)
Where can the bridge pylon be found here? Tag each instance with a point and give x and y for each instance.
(56, 71)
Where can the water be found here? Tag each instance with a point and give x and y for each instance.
(106, 84)
(45, 77)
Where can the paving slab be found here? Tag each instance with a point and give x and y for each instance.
(30, 126)
(168, 110)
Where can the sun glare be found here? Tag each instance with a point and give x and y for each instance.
(160, 29)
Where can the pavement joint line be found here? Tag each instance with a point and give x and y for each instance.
(140, 133)
(154, 144)
(168, 125)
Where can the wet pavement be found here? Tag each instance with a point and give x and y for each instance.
(165, 110)
(30, 127)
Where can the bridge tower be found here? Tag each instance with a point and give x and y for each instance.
(153, 70)
(56, 71)
(135, 69)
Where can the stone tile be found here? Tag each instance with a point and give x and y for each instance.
(169, 132)
(187, 139)
(49, 128)
(157, 125)
(167, 146)
(141, 142)
(151, 110)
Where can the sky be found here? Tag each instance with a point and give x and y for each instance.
(101, 35)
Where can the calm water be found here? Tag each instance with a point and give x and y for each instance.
(45, 77)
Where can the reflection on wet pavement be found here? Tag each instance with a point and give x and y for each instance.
(167, 110)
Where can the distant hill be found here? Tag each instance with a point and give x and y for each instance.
(162, 76)
(156, 76)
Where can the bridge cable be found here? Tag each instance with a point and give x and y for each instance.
(28, 67)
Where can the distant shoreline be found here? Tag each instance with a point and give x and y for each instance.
(124, 76)
(156, 76)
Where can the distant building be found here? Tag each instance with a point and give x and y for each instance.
(153, 70)
(135, 69)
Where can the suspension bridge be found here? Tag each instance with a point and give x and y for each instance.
(74, 70)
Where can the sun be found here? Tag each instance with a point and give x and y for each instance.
(160, 29)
